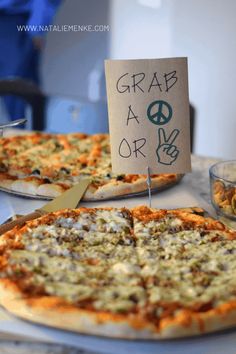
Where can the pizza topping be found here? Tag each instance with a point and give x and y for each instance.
(3, 167)
(187, 269)
(121, 298)
(70, 292)
(65, 170)
(63, 159)
(125, 268)
(144, 229)
(36, 172)
(120, 177)
(102, 221)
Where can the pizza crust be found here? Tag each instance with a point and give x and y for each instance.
(74, 319)
(49, 311)
(28, 185)
(37, 187)
(190, 324)
(117, 189)
(50, 190)
(6, 180)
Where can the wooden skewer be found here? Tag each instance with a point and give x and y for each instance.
(149, 186)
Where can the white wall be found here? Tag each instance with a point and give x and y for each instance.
(139, 31)
(203, 30)
(72, 63)
(73, 70)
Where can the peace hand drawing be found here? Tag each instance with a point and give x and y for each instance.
(166, 152)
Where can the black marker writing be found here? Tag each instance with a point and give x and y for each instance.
(136, 84)
(140, 82)
(154, 83)
(138, 146)
(131, 117)
(127, 88)
(125, 149)
(172, 78)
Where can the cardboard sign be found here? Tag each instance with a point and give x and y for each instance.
(148, 109)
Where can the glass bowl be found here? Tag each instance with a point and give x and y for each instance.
(223, 188)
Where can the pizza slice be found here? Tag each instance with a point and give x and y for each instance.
(82, 263)
(187, 266)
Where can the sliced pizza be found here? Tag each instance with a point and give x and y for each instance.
(139, 273)
(46, 165)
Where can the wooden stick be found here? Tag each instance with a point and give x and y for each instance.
(149, 186)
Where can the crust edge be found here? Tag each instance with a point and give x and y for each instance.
(108, 191)
(185, 324)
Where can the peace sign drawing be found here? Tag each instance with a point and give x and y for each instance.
(166, 152)
(159, 112)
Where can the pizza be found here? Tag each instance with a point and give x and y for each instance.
(126, 273)
(41, 164)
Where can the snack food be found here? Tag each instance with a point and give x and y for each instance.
(139, 273)
(224, 197)
(47, 165)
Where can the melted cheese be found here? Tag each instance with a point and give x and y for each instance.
(96, 257)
